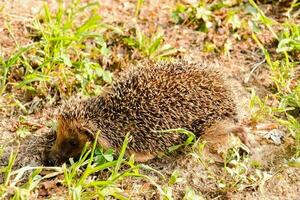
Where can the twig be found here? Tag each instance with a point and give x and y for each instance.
(253, 69)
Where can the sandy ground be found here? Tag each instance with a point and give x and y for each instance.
(279, 182)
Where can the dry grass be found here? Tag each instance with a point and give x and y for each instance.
(27, 111)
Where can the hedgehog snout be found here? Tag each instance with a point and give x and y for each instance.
(50, 159)
(54, 156)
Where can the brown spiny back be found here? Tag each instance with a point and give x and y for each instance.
(152, 97)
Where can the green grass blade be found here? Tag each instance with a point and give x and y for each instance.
(121, 155)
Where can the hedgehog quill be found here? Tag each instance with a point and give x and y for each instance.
(144, 100)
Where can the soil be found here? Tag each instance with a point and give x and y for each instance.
(279, 182)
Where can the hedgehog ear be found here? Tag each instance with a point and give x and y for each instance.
(88, 133)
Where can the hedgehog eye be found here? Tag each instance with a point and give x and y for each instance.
(73, 142)
(86, 132)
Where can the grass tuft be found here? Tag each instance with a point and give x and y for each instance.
(282, 105)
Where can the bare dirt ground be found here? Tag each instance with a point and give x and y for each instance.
(279, 182)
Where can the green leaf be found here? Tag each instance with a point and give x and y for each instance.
(105, 51)
(66, 59)
(12, 60)
(234, 20)
(191, 137)
(130, 42)
(155, 44)
(288, 44)
(32, 78)
(23, 132)
(76, 193)
(203, 13)
(294, 162)
(191, 195)
(108, 157)
(174, 178)
(92, 22)
(107, 76)
(253, 26)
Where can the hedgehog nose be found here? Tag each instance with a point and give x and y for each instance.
(49, 160)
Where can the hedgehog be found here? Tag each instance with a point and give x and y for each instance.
(144, 100)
